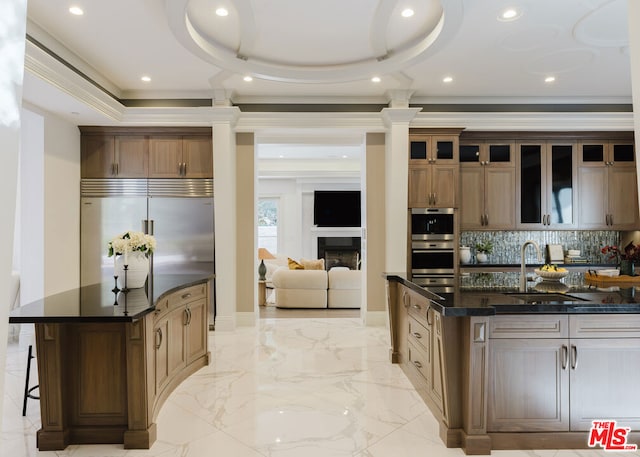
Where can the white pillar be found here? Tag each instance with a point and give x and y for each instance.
(13, 27)
(224, 194)
(396, 189)
(634, 54)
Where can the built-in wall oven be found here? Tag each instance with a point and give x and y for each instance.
(432, 247)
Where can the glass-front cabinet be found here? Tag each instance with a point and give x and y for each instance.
(547, 185)
(608, 187)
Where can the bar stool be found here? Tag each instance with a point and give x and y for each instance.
(28, 390)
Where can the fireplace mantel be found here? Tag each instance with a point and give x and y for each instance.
(317, 232)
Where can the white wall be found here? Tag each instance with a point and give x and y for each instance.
(296, 208)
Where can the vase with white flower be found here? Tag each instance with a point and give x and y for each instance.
(132, 249)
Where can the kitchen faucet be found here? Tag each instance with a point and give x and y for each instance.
(523, 273)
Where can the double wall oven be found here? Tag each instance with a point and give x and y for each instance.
(432, 247)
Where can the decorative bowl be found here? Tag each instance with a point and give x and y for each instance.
(551, 275)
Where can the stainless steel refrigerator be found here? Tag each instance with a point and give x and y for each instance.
(178, 212)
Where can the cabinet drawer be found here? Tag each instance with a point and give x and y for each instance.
(418, 307)
(162, 307)
(187, 295)
(419, 359)
(604, 326)
(529, 327)
(419, 335)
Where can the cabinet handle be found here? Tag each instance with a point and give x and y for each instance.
(429, 317)
(184, 168)
(417, 364)
(435, 198)
(159, 333)
(185, 316)
(417, 306)
(417, 335)
(565, 356)
(117, 168)
(611, 218)
(185, 296)
(405, 302)
(189, 321)
(574, 357)
(486, 219)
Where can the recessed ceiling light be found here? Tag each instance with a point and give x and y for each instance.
(447, 79)
(145, 79)
(549, 79)
(510, 14)
(345, 156)
(76, 11)
(222, 12)
(407, 12)
(248, 79)
(375, 79)
(281, 156)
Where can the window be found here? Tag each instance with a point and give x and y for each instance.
(268, 224)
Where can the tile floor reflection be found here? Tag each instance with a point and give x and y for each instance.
(288, 388)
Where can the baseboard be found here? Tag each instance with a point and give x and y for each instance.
(225, 323)
(376, 319)
(246, 319)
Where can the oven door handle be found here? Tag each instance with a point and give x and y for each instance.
(428, 251)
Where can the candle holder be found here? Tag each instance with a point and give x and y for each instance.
(125, 289)
(115, 289)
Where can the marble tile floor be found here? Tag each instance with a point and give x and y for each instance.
(319, 387)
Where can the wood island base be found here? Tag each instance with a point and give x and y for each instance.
(104, 383)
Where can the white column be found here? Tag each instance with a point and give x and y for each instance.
(396, 189)
(13, 22)
(224, 194)
(634, 54)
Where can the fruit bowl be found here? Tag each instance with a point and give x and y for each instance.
(550, 275)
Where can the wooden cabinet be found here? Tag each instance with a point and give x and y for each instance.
(110, 156)
(547, 185)
(608, 188)
(180, 157)
(487, 186)
(180, 332)
(433, 170)
(144, 152)
(559, 373)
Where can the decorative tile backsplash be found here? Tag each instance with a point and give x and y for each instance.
(507, 244)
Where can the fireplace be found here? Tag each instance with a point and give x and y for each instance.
(339, 251)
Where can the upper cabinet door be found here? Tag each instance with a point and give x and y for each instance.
(165, 157)
(198, 157)
(97, 157)
(547, 185)
(132, 157)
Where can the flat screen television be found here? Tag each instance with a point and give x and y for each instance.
(336, 208)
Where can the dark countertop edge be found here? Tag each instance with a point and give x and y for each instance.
(480, 266)
(108, 319)
(492, 310)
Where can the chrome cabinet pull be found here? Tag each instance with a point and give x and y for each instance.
(429, 317)
(417, 335)
(189, 321)
(185, 316)
(574, 357)
(187, 295)
(417, 364)
(159, 333)
(565, 356)
(405, 302)
(417, 306)
(611, 218)
(117, 168)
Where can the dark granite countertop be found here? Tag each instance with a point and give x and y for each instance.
(487, 301)
(97, 302)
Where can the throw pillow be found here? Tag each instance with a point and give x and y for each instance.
(312, 264)
(293, 265)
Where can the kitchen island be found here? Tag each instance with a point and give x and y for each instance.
(108, 360)
(504, 370)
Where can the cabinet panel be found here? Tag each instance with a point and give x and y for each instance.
(472, 193)
(165, 157)
(197, 330)
(445, 183)
(562, 185)
(593, 201)
(198, 157)
(161, 354)
(623, 198)
(132, 156)
(419, 187)
(97, 157)
(532, 327)
(531, 185)
(604, 382)
(500, 198)
(177, 357)
(528, 386)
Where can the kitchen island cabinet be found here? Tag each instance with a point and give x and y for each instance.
(107, 362)
(519, 373)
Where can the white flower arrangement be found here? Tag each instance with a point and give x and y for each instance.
(130, 241)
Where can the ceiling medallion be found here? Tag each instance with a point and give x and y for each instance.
(317, 46)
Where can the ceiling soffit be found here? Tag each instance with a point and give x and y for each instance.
(379, 43)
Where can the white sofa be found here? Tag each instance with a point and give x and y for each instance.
(338, 288)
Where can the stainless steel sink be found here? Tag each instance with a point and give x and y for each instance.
(532, 298)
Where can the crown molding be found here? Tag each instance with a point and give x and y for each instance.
(365, 122)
